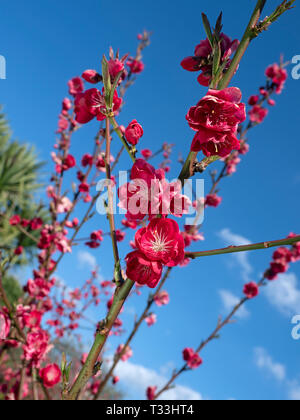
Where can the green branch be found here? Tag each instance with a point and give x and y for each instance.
(244, 248)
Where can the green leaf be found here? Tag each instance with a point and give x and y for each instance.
(208, 30)
(114, 87)
(106, 80)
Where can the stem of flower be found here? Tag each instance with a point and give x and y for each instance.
(122, 138)
(244, 248)
(137, 325)
(100, 340)
(247, 38)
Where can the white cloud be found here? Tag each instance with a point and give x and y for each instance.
(230, 301)
(137, 378)
(284, 294)
(264, 361)
(242, 260)
(86, 259)
(294, 392)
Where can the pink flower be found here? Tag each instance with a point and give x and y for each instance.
(19, 250)
(38, 288)
(253, 100)
(192, 358)
(69, 162)
(151, 320)
(147, 153)
(76, 86)
(67, 104)
(161, 241)
(120, 236)
(87, 160)
(127, 353)
(143, 271)
(216, 118)
(162, 299)
(36, 347)
(258, 114)
(214, 143)
(283, 254)
(4, 326)
(50, 375)
(15, 220)
(134, 132)
(151, 393)
(84, 187)
(91, 104)
(278, 75)
(32, 319)
(116, 380)
(219, 110)
(135, 66)
(212, 200)
(115, 67)
(91, 76)
(251, 290)
(36, 223)
(202, 59)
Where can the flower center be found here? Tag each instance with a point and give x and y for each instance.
(160, 242)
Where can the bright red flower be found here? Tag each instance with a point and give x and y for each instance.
(251, 290)
(91, 104)
(32, 319)
(76, 86)
(257, 114)
(91, 76)
(212, 200)
(15, 220)
(192, 358)
(36, 347)
(151, 392)
(135, 66)
(146, 153)
(87, 160)
(278, 75)
(219, 110)
(253, 100)
(116, 379)
(143, 271)
(214, 143)
(69, 162)
(50, 375)
(134, 132)
(19, 250)
(115, 67)
(36, 223)
(161, 241)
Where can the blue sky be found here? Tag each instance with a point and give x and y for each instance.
(46, 43)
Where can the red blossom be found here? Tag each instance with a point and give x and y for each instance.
(251, 290)
(161, 241)
(143, 271)
(192, 358)
(134, 132)
(50, 375)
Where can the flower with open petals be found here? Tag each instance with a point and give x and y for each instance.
(50, 375)
(192, 358)
(161, 241)
(143, 271)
